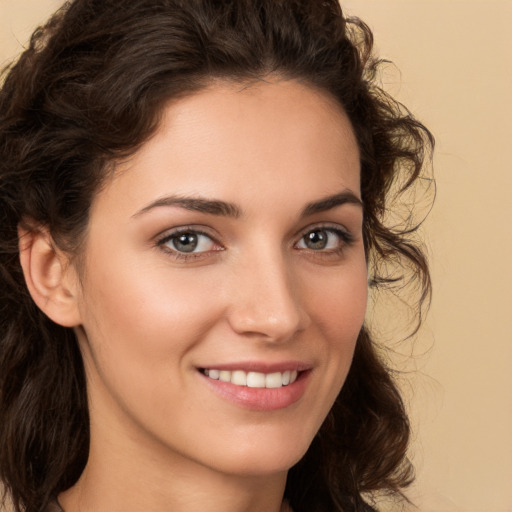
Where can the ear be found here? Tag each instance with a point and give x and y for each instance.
(50, 277)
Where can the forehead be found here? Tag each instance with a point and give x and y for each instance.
(249, 116)
(228, 140)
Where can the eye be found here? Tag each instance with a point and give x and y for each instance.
(188, 242)
(324, 239)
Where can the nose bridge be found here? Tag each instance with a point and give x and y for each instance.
(267, 302)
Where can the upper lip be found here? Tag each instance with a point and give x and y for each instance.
(260, 366)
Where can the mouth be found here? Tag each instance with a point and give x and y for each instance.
(252, 379)
(259, 386)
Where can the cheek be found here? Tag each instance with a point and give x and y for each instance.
(338, 310)
(339, 306)
(142, 328)
(142, 317)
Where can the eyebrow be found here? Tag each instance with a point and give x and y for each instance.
(330, 202)
(196, 204)
(226, 209)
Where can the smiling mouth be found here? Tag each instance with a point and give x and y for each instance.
(253, 379)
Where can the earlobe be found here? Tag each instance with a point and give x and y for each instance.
(50, 278)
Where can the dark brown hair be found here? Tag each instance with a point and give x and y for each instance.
(89, 90)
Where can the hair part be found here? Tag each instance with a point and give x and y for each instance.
(89, 91)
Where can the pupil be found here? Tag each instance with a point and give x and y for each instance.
(316, 240)
(186, 242)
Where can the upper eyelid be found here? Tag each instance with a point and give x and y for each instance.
(171, 232)
(336, 227)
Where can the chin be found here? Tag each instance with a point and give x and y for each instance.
(264, 455)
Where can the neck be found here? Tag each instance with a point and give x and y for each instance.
(135, 476)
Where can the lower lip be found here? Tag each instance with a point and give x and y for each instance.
(261, 399)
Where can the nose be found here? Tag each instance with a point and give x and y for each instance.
(266, 300)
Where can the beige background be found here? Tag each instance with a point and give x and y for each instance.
(455, 62)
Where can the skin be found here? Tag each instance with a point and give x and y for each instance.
(148, 317)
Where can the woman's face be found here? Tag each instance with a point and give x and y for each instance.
(224, 282)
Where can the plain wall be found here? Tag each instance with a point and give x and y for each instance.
(455, 62)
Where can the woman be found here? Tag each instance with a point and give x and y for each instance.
(192, 195)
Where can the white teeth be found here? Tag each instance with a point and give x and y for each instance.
(239, 378)
(225, 376)
(254, 379)
(274, 380)
(213, 374)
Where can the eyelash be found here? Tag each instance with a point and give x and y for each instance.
(345, 237)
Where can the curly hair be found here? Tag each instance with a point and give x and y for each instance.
(89, 90)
